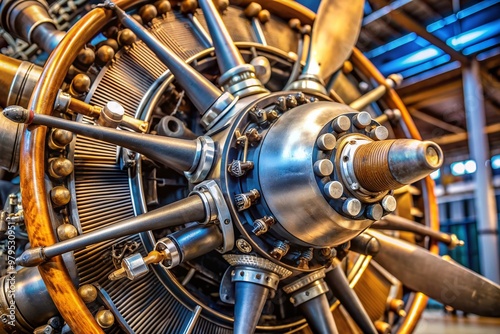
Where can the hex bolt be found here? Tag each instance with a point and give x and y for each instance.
(243, 246)
(351, 206)
(111, 115)
(261, 226)
(362, 120)
(334, 189)
(281, 103)
(245, 200)
(291, 101)
(326, 142)
(280, 250)
(323, 167)
(238, 168)
(341, 124)
(375, 211)
(379, 133)
(301, 98)
(272, 115)
(304, 259)
(389, 203)
(253, 135)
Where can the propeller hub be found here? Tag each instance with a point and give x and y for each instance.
(324, 184)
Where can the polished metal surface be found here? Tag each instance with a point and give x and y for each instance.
(289, 183)
(316, 311)
(31, 21)
(182, 155)
(339, 285)
(184, 211)
(10, 141)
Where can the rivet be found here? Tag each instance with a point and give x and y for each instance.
(326, 142)
(59, 138)
(147, 13)
(66, 231)
(105, 318)
(60, 167)
(105, 54)
(264, 16)
(252, 10)
(60, 196)
(362, 120)
(188, 6)
(127, 36)
(333, 189)
(379, 133)
(389, 203)
(80, 84)
(323, 167)
(88, 293)
(375, 211)
(351, 206)
(341, 124)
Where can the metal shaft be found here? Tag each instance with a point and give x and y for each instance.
(17, 81)
(392, 81)
(318, 315)
(390, 164)
(200, 90)
(179, 154)
(339, 285)
(186, 210)
(393, 222)
(228, 55)
(195, 241)
(30, 20)
(250, 299)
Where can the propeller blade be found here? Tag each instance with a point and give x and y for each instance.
(442, 280)
(335, 32)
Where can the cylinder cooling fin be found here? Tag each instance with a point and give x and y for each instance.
(211, 167)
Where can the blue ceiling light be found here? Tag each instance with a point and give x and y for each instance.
(495, 162)
(481, 46)
(426, 66)
(461, 15)
(488, 54)
(416, 58)
(391, 45)
(474, 35)
(413, 59)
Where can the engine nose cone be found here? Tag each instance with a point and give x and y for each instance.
(295, 167)
(390, 164)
